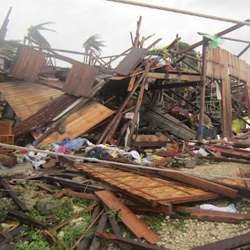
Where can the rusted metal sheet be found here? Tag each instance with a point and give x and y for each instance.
(232, 243)
(80, 80)
(29, 64)
(139, 228)
(44, 115)
(128, 64)
(80, 122)
(216, 216)
(27, 98)
(150, 189)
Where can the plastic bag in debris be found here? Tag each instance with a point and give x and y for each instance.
(230, 208)
(201, 152)
(214, 41)
(36, 159)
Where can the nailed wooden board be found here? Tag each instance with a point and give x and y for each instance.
(152, 189)
(29, 64)
(26, 98)
(134, 57)
(80, 80)
(80, 122)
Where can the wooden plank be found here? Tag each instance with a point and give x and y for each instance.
(130, 243)
(80, 80)
(202, 184)
(7, 188)
(29, 64)
(226, 94)
(232, 243)
(128, 64)
(6, 127)
(80, 122)
(128, 217)
(173, 76)
(146, 188)
(44, 115)
(26, 98)
(216, 216)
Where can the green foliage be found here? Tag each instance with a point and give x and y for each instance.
(52, 210)
(81, 202)
(154, 222)
(73, 232)
(36, 242)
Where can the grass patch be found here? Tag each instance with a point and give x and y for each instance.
(72, 232)
(35, 241)
(154, 222)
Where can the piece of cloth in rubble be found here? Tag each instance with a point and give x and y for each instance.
(230, 208)
(98, 153)
(207, 133)
(238, 125)
(75, 144)
(36, 159)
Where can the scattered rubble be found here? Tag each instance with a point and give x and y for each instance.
(110, 146)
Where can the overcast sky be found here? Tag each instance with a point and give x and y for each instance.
(76, 20)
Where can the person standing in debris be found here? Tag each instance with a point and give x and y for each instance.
(207, 129)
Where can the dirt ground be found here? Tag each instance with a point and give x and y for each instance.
(187, 233)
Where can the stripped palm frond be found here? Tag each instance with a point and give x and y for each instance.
(93, 45)
(35, 36)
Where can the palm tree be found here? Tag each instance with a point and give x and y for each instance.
(35, 36)
(93, 48)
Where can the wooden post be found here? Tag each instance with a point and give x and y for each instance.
(203, 88)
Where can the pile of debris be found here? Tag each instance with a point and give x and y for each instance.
(117, 138)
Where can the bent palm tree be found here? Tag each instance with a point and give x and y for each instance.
(93, 48)
(34, 35)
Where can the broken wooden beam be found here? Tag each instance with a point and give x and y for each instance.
(27, 220)
(7, 188)
(80, 195)
(231, 243)
(174, 76)
(134, 244)
(210, 215)
(202, 184)
(96, 243)
(140, 229)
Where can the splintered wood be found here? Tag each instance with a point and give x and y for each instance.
(152, 189)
